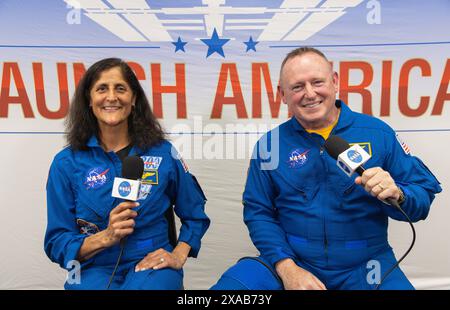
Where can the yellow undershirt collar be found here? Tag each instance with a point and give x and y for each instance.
(325, 132)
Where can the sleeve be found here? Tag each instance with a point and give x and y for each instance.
(260, 214)
(414, 178)
(189, 204)
(62, 238)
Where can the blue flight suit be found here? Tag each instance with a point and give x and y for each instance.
(298, 204)
(79, 202)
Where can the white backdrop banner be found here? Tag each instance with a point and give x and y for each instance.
(210, 69)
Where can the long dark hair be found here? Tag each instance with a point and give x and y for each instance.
(144, 129)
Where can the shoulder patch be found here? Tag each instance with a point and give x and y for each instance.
(366, 146)
(183, 163)
(404, 146)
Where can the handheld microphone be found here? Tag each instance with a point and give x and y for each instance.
(127, 187)
(351, 159)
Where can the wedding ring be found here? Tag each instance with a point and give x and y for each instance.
(381, 186)
(161, 260)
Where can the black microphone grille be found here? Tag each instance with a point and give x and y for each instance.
(132, 167)
(335, 145)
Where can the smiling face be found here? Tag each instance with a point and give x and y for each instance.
(111, 100)
(308, 86)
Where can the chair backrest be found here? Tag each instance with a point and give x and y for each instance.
(172, 228)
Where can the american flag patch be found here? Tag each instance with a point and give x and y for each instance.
(183, 163)
(404, 146)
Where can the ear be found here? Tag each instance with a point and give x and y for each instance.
(336, 81)
(281, 92)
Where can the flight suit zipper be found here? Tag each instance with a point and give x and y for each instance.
(325, 238)
(325, 244)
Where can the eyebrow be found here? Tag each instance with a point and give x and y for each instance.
(116, 84)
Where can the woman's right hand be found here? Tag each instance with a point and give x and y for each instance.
(121, 222)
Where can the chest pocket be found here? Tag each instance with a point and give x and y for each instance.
(92, 184)
(92, 208)
(295, 187)
(88, 220)
(153, 183)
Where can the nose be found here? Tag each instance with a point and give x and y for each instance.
(111, 96)
(309, 91)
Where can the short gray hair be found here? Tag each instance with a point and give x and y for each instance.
(299, 52)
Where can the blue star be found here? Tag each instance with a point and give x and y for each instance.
(251, 45)
(215, 44)
(179, 45)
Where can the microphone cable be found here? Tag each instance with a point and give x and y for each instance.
(396, 205)
(122, 246)
(335, 146)
(132, 168)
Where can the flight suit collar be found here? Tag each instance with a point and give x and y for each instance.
(93, 142)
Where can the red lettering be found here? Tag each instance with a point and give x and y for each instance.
(138, 70)
(78, 71)
(40, 91)
(274, 101)
(403, 87)
(345, 88)
(179, 89)
(12, 68)
(442, 94)
(386, 78)
(63, 89)
(237, 99)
